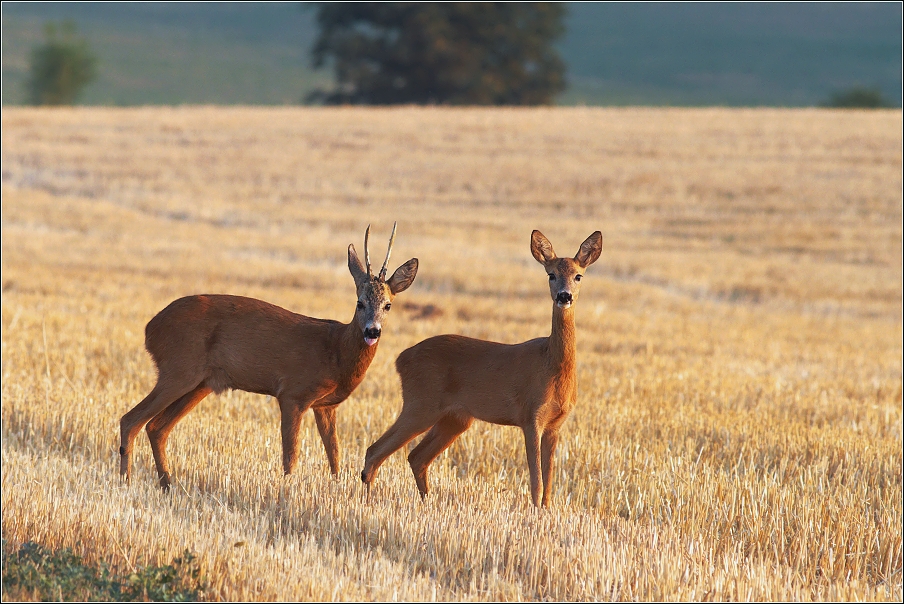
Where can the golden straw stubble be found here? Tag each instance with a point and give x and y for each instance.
(737, 432)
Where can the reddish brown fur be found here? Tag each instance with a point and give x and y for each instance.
(210, 343)
(450, 380)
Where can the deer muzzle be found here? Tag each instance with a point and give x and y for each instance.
(371, 335)
(564, 299)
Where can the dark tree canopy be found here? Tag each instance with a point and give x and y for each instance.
(858, 98)
(61, 67)
(458, 53)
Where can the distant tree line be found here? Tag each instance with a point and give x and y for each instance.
(452, 53)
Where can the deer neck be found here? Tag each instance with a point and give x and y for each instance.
(354, 355)
(562, 349)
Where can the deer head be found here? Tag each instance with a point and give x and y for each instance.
(565, 274)
(375, 293)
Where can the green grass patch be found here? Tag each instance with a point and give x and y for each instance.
(33, 572)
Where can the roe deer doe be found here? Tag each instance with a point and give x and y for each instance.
(209, 343)
(449, 380)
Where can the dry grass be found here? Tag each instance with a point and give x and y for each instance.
(738, 433)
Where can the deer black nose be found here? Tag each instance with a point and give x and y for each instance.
(372, 332)
(564, 298)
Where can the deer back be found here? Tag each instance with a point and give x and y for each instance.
(237, 342)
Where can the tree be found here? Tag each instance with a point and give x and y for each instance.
(458, 53)
(854, 98)
(61, 67)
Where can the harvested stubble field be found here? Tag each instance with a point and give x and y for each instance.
(738, 433)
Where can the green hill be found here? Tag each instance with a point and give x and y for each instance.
(171, 53)
(647, 54)
(731, 53)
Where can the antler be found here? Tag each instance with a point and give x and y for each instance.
(367, 252)
(388, 252)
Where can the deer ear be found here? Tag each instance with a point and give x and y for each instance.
(403, 277)
(354, 265)
(541, 248)
(590, 250)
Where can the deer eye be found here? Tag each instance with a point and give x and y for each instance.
(387, 307)
(552, 277)
(578, 277)
(360, 305)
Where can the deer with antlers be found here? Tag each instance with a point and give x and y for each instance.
(449, 380)
(210, 343)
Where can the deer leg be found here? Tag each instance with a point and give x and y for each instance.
(532, 444)
(443, 434)
(326, 425)
(292, 407)
(547, 452)
(291, 413)
(161, 425)
(161, 397)
(399, 434)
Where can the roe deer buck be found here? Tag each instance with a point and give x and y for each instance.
(209, 343)
(449, 380)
